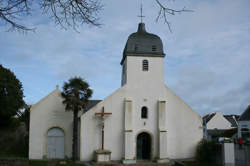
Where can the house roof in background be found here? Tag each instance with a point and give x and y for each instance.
(245, 116)
(232, 119)
(208, 117)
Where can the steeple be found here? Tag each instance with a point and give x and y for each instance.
(142, 43)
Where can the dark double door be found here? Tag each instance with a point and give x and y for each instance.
(143, 146)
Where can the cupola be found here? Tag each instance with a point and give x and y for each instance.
(142, 43)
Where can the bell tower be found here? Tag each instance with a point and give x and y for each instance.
(143, 57)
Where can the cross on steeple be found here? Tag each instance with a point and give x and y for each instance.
(141, 14)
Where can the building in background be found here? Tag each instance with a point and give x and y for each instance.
(217, 125)
(244, 125)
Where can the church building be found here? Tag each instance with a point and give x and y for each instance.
(142, 120)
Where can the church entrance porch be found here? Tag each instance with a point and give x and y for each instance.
(143, 146)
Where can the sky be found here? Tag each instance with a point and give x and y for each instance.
(207, 61)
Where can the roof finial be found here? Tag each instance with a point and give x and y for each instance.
(141, 14)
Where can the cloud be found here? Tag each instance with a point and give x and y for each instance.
(207, 55)
(207, 92)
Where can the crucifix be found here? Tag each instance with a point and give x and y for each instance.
(101, 115)
(141, 14)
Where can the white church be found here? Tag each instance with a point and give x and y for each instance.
(144, 119)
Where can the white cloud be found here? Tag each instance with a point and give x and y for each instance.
(207, 53)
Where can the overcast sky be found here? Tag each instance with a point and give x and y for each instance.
(207, 59)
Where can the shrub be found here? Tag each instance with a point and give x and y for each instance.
(206, 151)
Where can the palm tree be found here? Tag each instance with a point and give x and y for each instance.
(76, 94)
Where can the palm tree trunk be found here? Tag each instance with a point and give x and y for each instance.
(75, 135)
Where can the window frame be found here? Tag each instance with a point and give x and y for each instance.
(145, 65)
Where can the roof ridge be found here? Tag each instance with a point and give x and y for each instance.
(245, 116)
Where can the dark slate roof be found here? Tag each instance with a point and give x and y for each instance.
(208, 117)
(142, 43)
(91, 104)
(232, 119)
(245, 116)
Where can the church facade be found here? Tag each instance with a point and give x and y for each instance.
(147, 120)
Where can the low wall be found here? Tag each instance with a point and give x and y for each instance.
(13, 162)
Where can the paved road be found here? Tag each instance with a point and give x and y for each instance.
(242, 156)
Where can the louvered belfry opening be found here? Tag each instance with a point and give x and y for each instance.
(145, 65)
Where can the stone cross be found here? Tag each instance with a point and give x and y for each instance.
(101, 115)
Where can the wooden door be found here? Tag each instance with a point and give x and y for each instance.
(55, 144)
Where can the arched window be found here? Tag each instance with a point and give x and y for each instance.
(145, 65)
(144, 112)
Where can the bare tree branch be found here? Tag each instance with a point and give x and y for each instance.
(66, 13)
(11, 11)
(164, 10)
(72, 13)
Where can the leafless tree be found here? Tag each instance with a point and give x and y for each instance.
(66, 13)
(164, 11)
(72, 13)
(11, 11)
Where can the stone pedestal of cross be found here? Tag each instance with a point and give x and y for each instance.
(102, 155)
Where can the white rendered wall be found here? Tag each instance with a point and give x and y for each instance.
(114, 128)
(162, 129)
(139, 79)
(128, 128)
(183, 125)
(218, 122)
(48, 113)
(228, 154)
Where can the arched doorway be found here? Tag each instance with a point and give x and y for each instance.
(143, 146)
(55, 143)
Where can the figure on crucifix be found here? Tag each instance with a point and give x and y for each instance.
(102, 115)
(102, 155)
